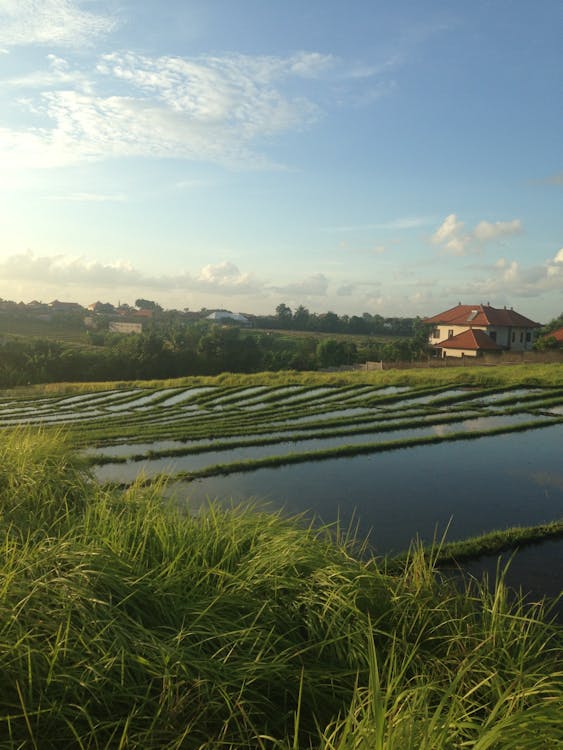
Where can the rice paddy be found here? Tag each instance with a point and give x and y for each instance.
(126, 622)
(190, 435)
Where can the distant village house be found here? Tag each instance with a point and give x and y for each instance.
(473, 330)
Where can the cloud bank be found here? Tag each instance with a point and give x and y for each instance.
(454, 239)
(64, 271)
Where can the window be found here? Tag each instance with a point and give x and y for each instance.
(528, 336)
(450, 333)
(493, 335)
(513, 336)
(521, 337)
(436, 333)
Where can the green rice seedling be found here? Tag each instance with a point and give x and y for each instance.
(506, 376)
(350, 450)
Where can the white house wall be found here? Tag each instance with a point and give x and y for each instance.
(514, 338)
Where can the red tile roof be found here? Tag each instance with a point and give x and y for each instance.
(557, 335)
(481, 315)
(470, 339)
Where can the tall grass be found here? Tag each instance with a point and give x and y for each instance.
(506, 376)
(125, 623)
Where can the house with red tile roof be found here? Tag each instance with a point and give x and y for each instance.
(557, 335)
(471, 330)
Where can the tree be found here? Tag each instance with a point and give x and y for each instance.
(301, 318)
(284, 314)
(332, 353)
(147, 304)
(329, 322)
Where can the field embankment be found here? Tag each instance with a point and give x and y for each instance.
(509, 376)
(126, 623)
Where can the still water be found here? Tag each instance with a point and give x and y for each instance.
(475, 486)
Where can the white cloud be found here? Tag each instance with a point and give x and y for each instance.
(450, 235)
(559, 256)
(346, 290)
(510, 277)
(61, 22)
(58, 74)
(486, 231)
(455, 240)
(66, 271)
(204, 109)
(226, 276)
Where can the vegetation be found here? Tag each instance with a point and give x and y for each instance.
(175, 350)
(488, 544)
(125, 623)
(545, 339)
(511, 376)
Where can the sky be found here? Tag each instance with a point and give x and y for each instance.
(394, 157)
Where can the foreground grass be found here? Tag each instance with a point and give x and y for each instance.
(127, 624)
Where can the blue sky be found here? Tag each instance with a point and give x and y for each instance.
(393, 157)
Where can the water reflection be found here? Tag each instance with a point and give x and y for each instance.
(480, 485)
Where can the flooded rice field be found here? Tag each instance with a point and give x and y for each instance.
(396, 462)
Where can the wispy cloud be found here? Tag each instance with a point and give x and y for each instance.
(315, 285)
(404, 222)
(213, 109)
(58, 22)
(454, 239)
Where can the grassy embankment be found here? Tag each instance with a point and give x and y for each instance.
(126, 624)
(506, 376)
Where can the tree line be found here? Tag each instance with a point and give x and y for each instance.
(178, 349)
(301, 319)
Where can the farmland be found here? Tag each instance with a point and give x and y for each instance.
(127, 622)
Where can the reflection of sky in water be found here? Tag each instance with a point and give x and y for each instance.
(535, 569)
(510, 396)
(483, 484)
(186, 394)
(192, 462)
(242, 394)
(89, 397)
(482, 423)
(302, 442)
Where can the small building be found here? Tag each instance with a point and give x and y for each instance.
(143, 312)
(226, 315)
(471, 330)
(120, 326)
(65, 307)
